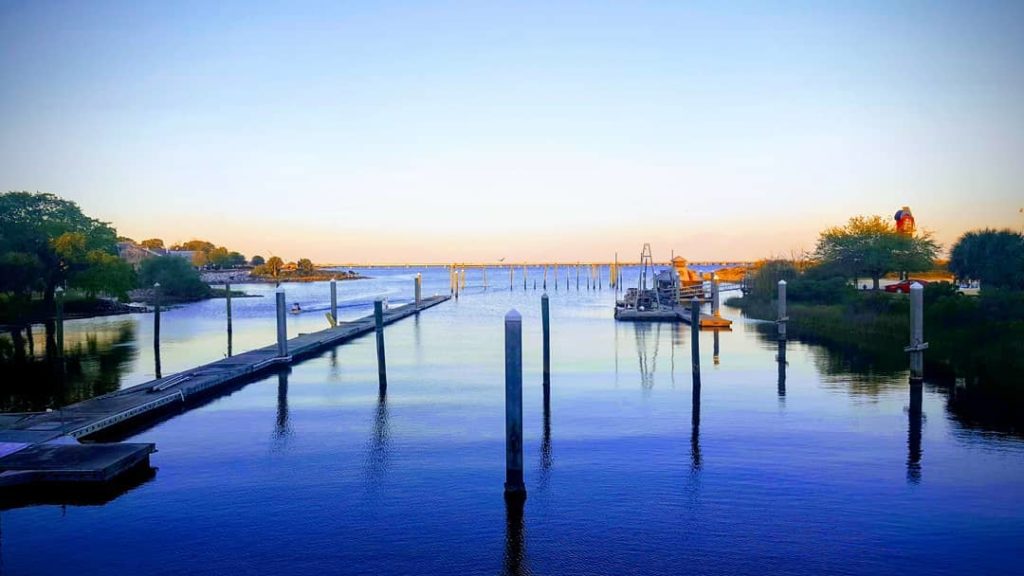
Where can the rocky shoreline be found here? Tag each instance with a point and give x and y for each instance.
(245, 276)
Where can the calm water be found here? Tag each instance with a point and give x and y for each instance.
(312, 471)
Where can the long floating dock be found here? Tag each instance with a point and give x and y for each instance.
(42, 448)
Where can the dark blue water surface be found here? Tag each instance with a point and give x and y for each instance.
(313, 471)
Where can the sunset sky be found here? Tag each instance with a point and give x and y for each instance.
(440, 131)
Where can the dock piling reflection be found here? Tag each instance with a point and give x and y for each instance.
(914, 415)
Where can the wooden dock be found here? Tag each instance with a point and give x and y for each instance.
(35, 446)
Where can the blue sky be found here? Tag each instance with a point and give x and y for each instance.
(474, 130)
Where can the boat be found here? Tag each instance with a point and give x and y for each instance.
(651, 304)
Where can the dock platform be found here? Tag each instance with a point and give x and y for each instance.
(42, 446)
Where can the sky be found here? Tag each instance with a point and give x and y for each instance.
(473, 131)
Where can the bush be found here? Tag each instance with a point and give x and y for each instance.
(177, 278)
(806, 289)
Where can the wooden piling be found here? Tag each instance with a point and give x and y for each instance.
(917, 343)
(282, 325)
(715, 298)
(419, 288)
(334, 299)
(546, 328)
(782, 310)
(378, 319)
(695, 336)
(156, 329)
(227, 305)
(58, 322)
(514, 486)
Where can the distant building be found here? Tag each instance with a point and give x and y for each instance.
(134, 254)
(187, 255)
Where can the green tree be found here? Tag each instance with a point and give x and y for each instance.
(218, 257)
(305, 267)
(152, 244)
(235, 259)
(994, 257)
(870, 246)
(104, 273)
(257, 260)
(176, 277)
(274, 266)
(56, 233)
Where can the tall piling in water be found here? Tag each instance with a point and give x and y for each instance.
(227, 305)
(419, 288)
(917, 343)
(378, 320)
(156, 330)
(511, 278)
(546, 329)
(782, 310)
(545, 277)
(282, 325)
(514, 487)
(58, 326)
(715, 298)
(695, 337)
(334, 299)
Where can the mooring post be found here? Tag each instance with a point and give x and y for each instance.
(156, 316)
(546, 324)
(59, 321)
(782, 310)
(156, 331)
(334, 299)
(545, 277)
(917, 343)
(524, 277)
(514, 487)
(715, 299)
(378, 319)
(511, 279)
(282, 326)
(419, 289)
(227, 305)
(695, 336)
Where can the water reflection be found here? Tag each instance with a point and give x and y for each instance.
(282, 427)
(648, 360)
(696, 461)
(545, 442)
(94, 363)
(716, 350)
(914, 417)
(379, 447)
(780, 359)
(515, 562)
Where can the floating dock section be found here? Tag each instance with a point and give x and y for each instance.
(43, 447)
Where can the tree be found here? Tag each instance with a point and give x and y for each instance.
(235, 259)
(56, 234)
(305, 267)
(194, 246)
(994, 257)
(152, 244)
(257, 261)
(870, 246)
(273, 266)
(177, 278)
(218, 257)
(104, 273)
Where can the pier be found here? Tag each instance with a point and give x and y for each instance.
(43, 447)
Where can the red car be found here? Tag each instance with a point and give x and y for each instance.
(904, 286)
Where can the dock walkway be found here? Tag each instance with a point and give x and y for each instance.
(21, 435)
